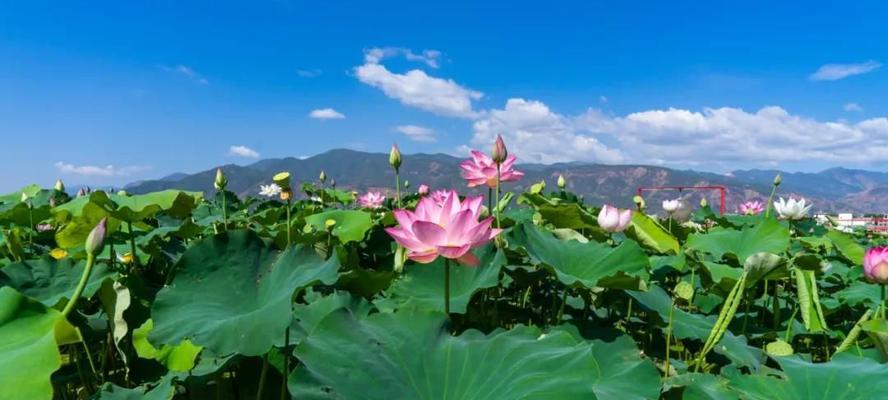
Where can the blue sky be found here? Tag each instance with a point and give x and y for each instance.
(105, 93)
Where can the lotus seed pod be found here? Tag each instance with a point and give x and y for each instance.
(329, 224)
(59, 186)
(684, 291)
(499, 153)
(96, 238)
(395, 157)
(282, 179)
(221, 181)
(562, 183)
(639, 201)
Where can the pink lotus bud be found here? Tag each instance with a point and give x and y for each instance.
(613, 219)
(499, 153)
(96, 238)
(875, 264)
(423, 190)
(395, 157)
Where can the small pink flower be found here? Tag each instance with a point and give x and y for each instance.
(439, 196)
(423, 190)
(875, 264)
(481, 170)
(613, 219)
(371, 200)
(450, 229)
(752, 208)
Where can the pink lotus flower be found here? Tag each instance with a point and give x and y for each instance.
(439, 196)
(875, 264)
(450, 229)
(371, 200)
(481, 170)
(752, 208)
(422, 190)
(613, 219)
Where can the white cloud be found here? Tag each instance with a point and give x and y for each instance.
(417, 89)
(417, 133)
(187, 72)
(377, 54)
(106, 171)
(713, 137)
(326, 113)
(853, 107)
(833, 72)
(242, 151)
(309, 73)
(535, 133)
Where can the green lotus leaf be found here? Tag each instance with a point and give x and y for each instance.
(178, 358)
(162, 390)
(306, 317)
(136, 208)
(847, 246)
(649, 233)
(422, 285)
(587, 264)
(410, 355)
(845, 377)
(50, 281)
(232, 293)
(351, 225)
(768, 236)
(29, 351)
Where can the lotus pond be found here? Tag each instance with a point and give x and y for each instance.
(310, 294)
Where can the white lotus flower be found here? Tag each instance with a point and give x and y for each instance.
(792, 209)
(272, 190)
(670, 205)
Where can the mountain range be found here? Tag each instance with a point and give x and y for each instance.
(831, 190)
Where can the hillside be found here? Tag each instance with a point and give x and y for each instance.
(836, 189)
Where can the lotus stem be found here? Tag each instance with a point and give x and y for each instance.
(31, 224)
(561, 309)
(289, 235)
(496, 204)
(90, 259)
(224, 212)
(668, 340)
(770, 201)
(629, 310)
(129, 226)
(262, 376)
(882, 304)
(447, 286)
(398, 187)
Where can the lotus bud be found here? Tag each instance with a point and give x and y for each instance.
(25, 197)
(333, 183)
(499, 153)
(221, 181)
(81, 192)
(122, 193)
(562, 183)
(52, 202)
(282, 179)
(423, 190)
(395, 157)
(875, 264)
(59, 185)
(777, 180)
(96, 238)
(639, 202)
(704, 203)
(406, 184)
(612, 219)
(322, 177)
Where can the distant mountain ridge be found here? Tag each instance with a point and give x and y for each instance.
(835, 189)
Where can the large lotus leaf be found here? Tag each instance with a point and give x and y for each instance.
(162, 390)
(51, 281)
(28, 351)
(588, 264)
(686, 325)
(847, 246)
(136, 208)
(351, 225)
(306, 317)
(859, 292)
(74, 230)
(411, 355)
(768, 236)
(845, 377)
(232, 293)
(697, 386)
(560, 215)
(422, 285)
(648, 232)
(76, 208)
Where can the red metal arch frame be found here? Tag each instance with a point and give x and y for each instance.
(722, 192)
